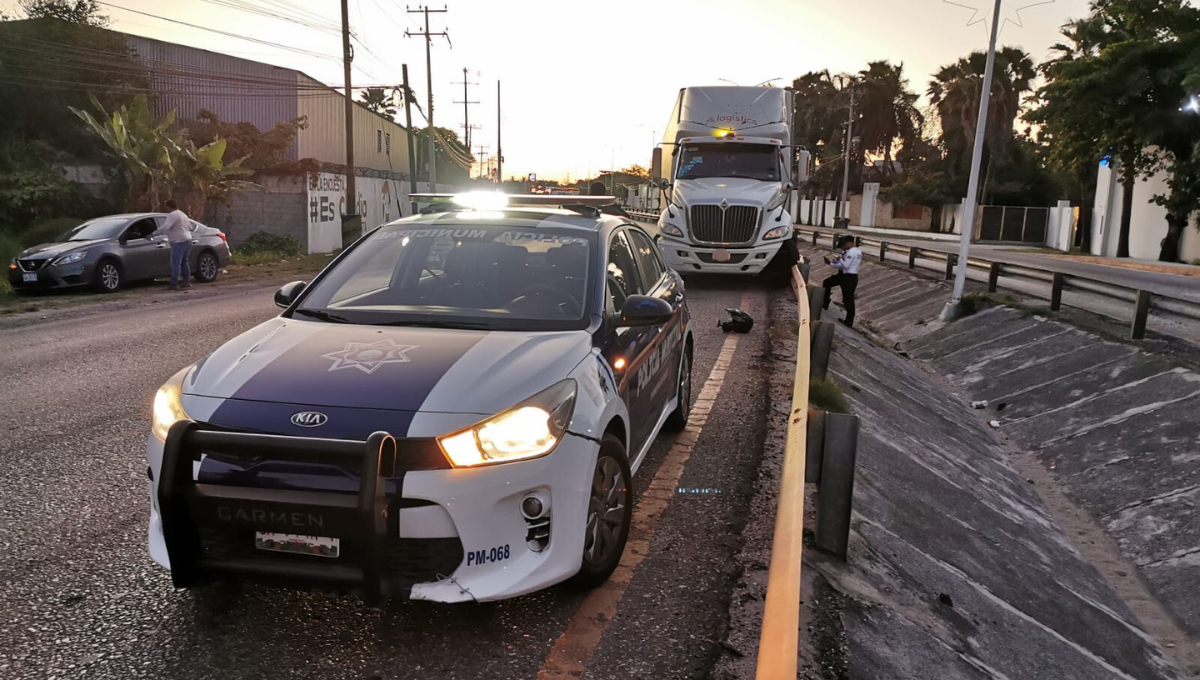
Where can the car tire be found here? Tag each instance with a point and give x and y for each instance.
(679, 417)
(602, 550)
(207, 267)
(109, 276)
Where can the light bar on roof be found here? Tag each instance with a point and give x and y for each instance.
(494, 200)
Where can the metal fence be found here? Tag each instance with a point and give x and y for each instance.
(1141, 302)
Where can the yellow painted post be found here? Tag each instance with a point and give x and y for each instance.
(778, 643)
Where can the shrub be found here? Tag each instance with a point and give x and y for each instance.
(262, 242)
(827, 395)
(47, 231)
(9, 247)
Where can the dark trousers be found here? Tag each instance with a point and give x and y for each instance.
(849, 283)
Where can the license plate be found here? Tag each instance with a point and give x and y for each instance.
(29, 277)
(720, 256)
(321, 546)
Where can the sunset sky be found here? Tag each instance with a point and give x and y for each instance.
(584, 89)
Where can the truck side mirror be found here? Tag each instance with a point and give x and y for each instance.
(664, 185)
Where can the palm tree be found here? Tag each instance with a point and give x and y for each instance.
(889, 114)
(955, 92)
(380, 101)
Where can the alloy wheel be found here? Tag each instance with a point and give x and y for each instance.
(606, 511)
(208, 267)
(110, 276)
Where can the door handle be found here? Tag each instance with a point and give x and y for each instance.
(195, 242)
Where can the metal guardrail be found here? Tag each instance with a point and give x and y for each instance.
(1142, 301)
(779, 640)
(820, 448)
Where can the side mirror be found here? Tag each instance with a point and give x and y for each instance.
(643, 310)
(664, 185)
(285, 296)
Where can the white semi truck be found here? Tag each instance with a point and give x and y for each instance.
(727, 172)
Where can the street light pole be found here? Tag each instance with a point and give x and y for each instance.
(951, 310)
(845, 199)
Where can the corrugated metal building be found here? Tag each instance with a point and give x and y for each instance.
(238, 90)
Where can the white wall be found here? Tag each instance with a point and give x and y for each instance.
(1147, 221)
(1060, 227)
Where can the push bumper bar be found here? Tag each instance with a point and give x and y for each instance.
(360, 519)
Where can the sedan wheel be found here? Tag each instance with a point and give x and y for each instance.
(683, 409)
(610, 510)
(207, 268)
(108, 276)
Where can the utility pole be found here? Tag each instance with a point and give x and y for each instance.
(482, 157)
(347, 57)
(847, 142)
(467, 127)
(499, 148)
(428, 79)
(412, 152)
(968, 225)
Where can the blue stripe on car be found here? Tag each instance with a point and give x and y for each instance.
(360, 368)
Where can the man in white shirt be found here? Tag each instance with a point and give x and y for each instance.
(177, 228)
(847, 277)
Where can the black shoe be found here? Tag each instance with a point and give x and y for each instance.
(847, 324)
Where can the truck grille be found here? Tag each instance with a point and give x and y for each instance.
(735, 224)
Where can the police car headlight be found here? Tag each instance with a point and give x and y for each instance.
(778, 232)
(531, 429)
(671, 230)
(168, 409)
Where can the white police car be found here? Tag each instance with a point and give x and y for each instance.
(452, 411)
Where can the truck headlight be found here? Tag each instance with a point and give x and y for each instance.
(70, 258)
(778, 232)
(775, 202)
(530, 429)
(168, 409)
(670, 230)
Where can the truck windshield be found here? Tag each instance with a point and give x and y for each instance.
(751, 161)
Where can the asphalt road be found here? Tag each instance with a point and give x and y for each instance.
(81, 598)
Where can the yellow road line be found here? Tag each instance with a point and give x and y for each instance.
(778, 643)
(571, 652)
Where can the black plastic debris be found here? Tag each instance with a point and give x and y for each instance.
(739, 322)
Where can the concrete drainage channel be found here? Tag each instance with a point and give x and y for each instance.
(959, 564)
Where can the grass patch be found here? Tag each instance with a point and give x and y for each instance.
(257, 257)
(827, 395)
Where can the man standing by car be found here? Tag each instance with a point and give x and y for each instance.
(179, 234)
(847, 277)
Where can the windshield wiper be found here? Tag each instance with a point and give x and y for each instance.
(462, 325)
(323, 315)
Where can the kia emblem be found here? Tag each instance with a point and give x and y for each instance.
(309, 419)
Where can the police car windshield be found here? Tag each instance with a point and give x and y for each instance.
(751, 161)
(478, 276)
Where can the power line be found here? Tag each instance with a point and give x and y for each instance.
(243, 6)
(259, 41)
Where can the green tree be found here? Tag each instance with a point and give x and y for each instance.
(380, 101)
(1119, 85)
(263, 151)
(454, 160)
(889, 115)
(80, 11)
(160, 162)
(48, 66)
(955, 92)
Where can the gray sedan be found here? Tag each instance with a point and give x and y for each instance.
(109, 252)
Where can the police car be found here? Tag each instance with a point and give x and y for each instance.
(453, 410)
